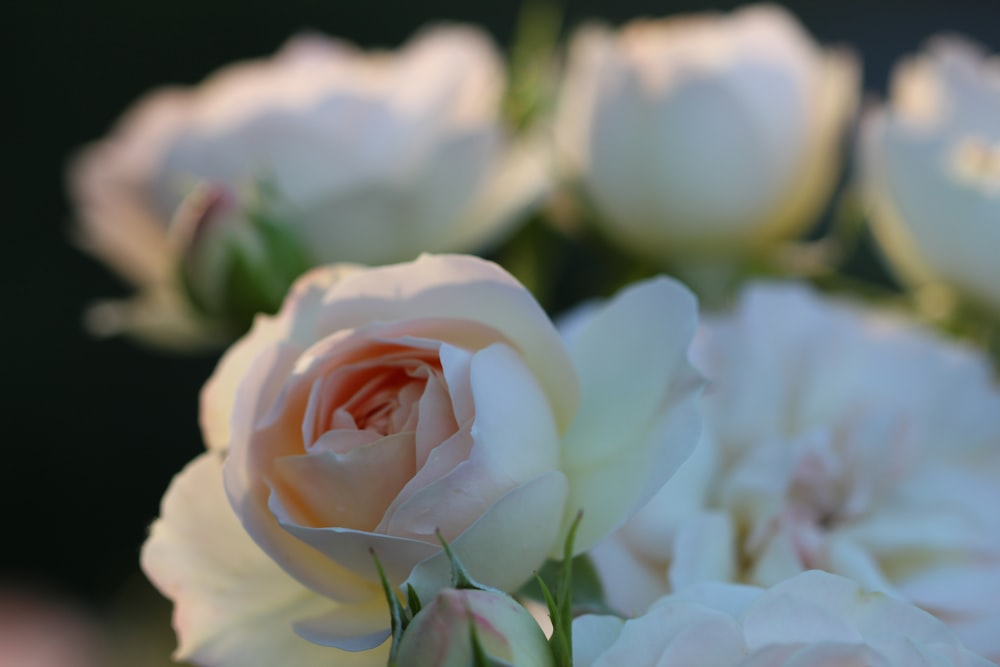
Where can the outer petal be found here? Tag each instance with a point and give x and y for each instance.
(826, 607)
(521, 526)
(638, 418)
(592, 636)
(294, 325)
(461, 287)
(233, 605)
(677, 633)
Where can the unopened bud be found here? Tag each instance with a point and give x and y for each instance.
(445, 633)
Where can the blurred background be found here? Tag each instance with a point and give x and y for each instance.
(100, 427)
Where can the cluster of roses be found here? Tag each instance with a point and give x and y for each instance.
(395, 452)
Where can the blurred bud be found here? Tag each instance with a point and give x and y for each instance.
(705, 134)
(931, 168)
(236, 258)
(377, 156)
(442, 634)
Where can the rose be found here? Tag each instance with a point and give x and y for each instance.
(382, 405)
(811, 620)
(441, 634)
(836, 439)
(931, 168)
(361, 157)
(704, 133)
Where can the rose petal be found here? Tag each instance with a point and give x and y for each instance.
(199, 555)
(349, 628)
(592, 636)
(455, 363)
(353, 549)
(464, 288)
(630, 584)
(435, 418)
(442, 460)
(514, 429)
(678, 633)
(638, 418)
(527, 516)
(351, 490)
(704, 550)
(292, 324)
(514, 440)
(825, 607)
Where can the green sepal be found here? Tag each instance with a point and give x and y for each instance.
(413, 603)
(460, 577)
(399, 616)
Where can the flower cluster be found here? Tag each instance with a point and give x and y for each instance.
(408, 463)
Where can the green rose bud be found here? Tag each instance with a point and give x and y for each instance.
(237, 258)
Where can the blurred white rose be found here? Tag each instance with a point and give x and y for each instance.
(835, 439)
(814, 619)
(369, 157)
(705, 133)
(931, 167)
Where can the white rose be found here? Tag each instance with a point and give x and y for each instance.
(835, 439)
(373, 157)
(382, 405)
(814, 619)
(704, 133)
(931, 166)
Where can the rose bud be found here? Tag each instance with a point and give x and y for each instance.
(931, 167)
(706, 134)
(441, 635)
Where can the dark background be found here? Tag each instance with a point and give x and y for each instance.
(94, 430)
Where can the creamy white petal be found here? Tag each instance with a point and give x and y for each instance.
(638, 418)
(233, 605)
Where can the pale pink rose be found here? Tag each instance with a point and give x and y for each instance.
(838, 439)
(931, 169)
(370, 157)
(382, 405)
(705, 133)
(814, 619)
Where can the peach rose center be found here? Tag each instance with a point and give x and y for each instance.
(369, 423)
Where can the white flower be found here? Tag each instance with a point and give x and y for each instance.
(372, 158)
(835, 439)
(931, 166)
(704, 133)
(814, 619)
(383, 405)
